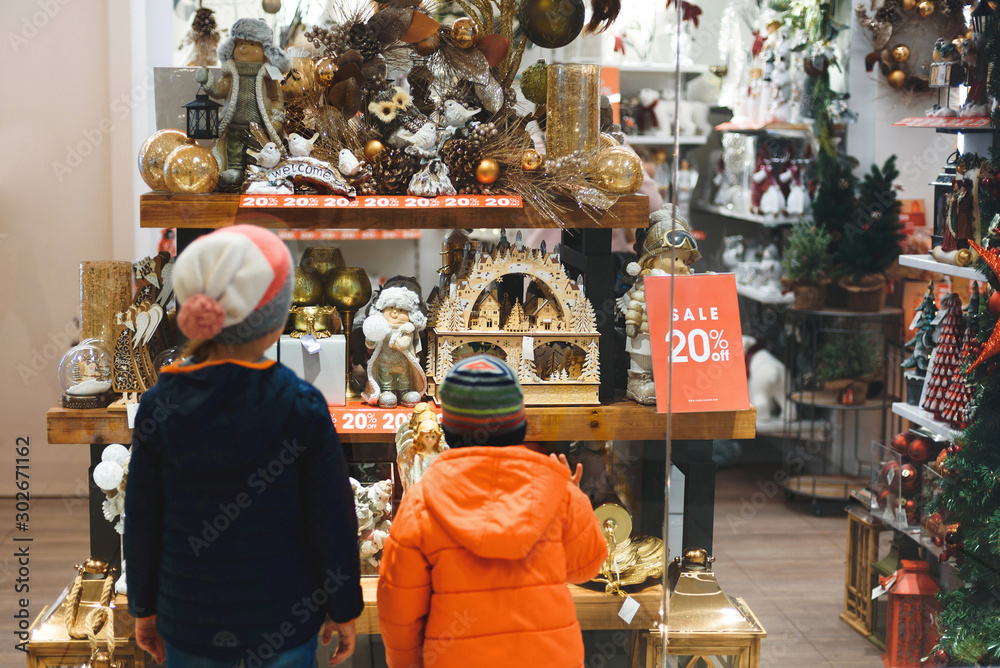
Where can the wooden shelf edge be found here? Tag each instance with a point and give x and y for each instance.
(164, 210)
(620, 419)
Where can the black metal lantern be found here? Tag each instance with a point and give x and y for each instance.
(202, 117)
(980, 15)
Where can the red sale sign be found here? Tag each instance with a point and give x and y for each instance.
(703, 353)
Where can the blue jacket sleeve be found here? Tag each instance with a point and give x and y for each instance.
(144, 504)
(331, 522)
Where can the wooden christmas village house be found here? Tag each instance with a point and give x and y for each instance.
(550, 339)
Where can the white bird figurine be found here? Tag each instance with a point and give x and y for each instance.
(299, 146)
(268, 157)
(348, 163)
(456, 115)
(424, 139)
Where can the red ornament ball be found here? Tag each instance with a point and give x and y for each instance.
(938, 541)
(919, 450)
(945, 555)
(995, 304)
(909, 479)
(882, 499)
(941, 658)
(941, 463)
(889, 472)
(901, 441)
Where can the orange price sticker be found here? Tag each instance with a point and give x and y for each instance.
(378, 202)
(705, 347)
(355, 420)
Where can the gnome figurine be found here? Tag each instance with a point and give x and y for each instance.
(392, 333)
(252, 69)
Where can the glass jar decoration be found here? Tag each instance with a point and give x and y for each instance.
(573, 109)
(168, 357)
(85, 376)
(202, 116)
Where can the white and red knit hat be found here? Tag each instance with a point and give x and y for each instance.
(233, 285)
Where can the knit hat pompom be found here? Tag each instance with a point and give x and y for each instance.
(482, 403)
(201, 318)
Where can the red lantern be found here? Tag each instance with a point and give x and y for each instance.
(911, 633)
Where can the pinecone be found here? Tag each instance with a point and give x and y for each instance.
(204, 22)
(888, 13)
(392, 171)
(361, 37)
(461, 156)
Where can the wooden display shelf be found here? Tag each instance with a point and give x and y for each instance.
(947, 123)
(927, 263)
(758, 218)
(595, 610)
(620, 419)
(215, 210)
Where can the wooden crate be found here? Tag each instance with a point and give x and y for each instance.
(862, 549)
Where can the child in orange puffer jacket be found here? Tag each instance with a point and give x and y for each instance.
(474, 572)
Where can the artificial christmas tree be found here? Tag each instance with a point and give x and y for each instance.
(922, 344)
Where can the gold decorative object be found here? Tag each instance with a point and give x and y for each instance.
(617, 170)
(191, 169)
(531, 159)
(925, 8)
(488, 171)
(307, 289)
(318, 321)
(154, 153)
(326, 70)
(465, 33)
(323, 260)
(897, 78)
(551, 24)
(559, 364)
(372, 150)
(348, 290)
(573, 109)
(301, 79)
(419, 441)
(901, 53)
(631, 561)
(534, 82)
(908, 5)
(606, 141)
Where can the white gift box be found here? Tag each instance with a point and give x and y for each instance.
(326, 369)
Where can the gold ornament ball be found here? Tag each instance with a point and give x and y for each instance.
(897, 78)
(531, 159)
(465, 33)
(606, 141)
(908, 5)
(488, 171)
(372, 149)
(901, 53)
(271, 6)
(191, 169)
(925, 8)
(617, 170)
(326, 69)
(154, 153)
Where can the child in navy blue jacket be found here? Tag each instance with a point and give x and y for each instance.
(240, 528)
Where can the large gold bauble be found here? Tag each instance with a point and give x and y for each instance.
(271, 6)
(606, 141)
(487, 171)
(300, 79)
(326, 69)
(551, 24)
(372, 149)
(908, 5)
(191, 169)
(897, 78)
(154, 153)
(617, 170)
(531, 159)
(925, 8)
(465, 33)
(901, 53)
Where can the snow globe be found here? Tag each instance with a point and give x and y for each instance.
(85, 376)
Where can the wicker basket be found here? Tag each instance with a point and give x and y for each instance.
(809, 296)
(866, 295)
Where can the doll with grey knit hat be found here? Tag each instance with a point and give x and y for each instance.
(252, 66)
(392, 334)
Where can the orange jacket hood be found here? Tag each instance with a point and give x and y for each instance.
(493, 516)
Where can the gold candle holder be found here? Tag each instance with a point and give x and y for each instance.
(348, 290)
(573, 109)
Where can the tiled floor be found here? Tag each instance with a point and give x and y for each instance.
(787, 564)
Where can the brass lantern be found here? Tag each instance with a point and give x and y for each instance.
(202, 117)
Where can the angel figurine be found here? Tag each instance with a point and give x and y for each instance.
(418, 443)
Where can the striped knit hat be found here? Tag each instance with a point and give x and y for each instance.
(482, 404)
(233, 285)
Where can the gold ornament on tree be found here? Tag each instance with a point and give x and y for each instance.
(897, 78)
(534, 82)
(326, 70)
(551, 24)
(372, 150)
(617, 170)
(465, 33)
(531, 160)
(908, 5)
(925, 8)
(154, 153)
(901, 53)
(191, 169)
(488, 171)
